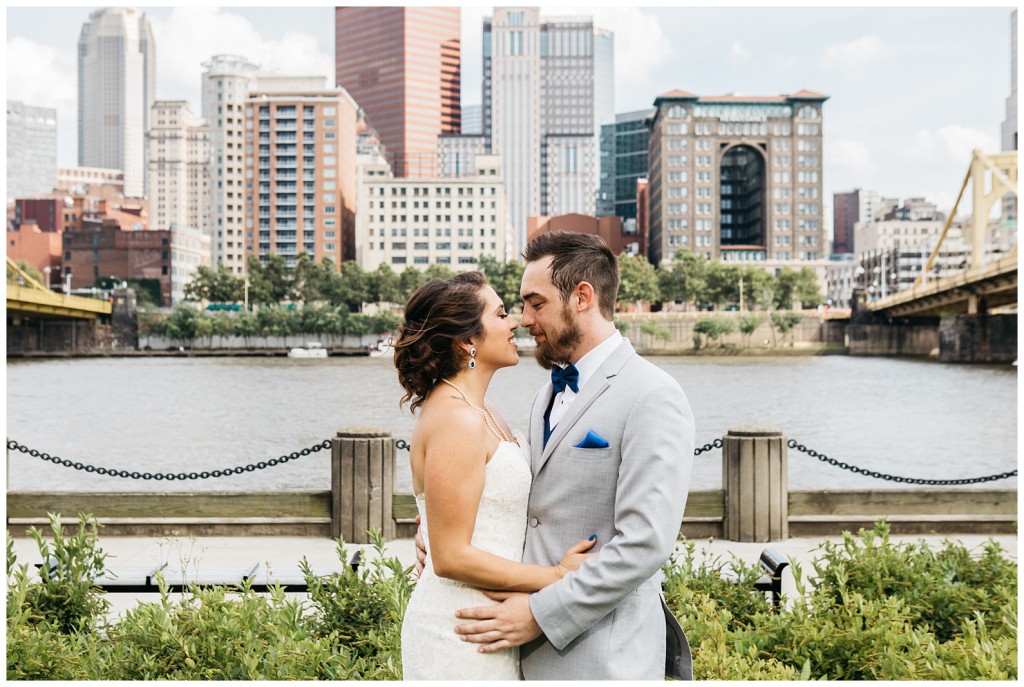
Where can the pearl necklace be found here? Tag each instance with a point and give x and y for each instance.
(489, 420)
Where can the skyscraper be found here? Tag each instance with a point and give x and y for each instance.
(116, 90)
(179, 168)
(1009, 127)
(623, 161)
(226, 82)
(303, 169)
(548, 88)
(31, 150)
(402, 66)
(738, 178)
(860, 205)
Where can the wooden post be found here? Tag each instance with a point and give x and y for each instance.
(362, 483)
(756, 483)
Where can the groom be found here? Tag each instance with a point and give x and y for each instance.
(612, 442)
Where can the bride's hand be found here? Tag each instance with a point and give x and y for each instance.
(574, 556)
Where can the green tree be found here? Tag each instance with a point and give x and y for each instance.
(723, 284)
(713, 327)
(246, 326)
(409, 280)
(686, 280)
(313, 282)
(748, 325)
(784, 322)
(383, 285)
(182, 324)
(270, 283)
(275, 321)
(758, 286)
(638, 281)
(437, 271)
(792, 285)
(355, 289)
(504, 277)
(215, 286)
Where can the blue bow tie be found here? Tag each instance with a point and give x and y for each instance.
(567, 376)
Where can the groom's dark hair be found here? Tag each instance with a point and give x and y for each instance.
(575, 258)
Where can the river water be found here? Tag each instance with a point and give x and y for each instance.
(905, 417)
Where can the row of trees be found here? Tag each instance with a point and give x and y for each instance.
(692, 280)
(186, 325)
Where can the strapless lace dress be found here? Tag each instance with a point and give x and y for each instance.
(430, 648)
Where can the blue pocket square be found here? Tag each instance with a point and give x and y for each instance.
(592, 440)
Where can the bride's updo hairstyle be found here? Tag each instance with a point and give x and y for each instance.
(439, 316)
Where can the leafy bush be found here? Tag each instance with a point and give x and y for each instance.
(870, 610)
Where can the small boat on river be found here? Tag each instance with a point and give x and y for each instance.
(312, 349)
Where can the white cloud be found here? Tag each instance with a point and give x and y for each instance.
(641, 44)
(951, 142)
(41, 75)
(192, 35)
(850, 155)
(848, 57)
(738, 54)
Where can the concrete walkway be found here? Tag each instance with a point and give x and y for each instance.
(185, 556)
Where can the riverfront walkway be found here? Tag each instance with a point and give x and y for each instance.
(282, 555)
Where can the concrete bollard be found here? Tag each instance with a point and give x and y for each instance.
(362, 483)
(756, 483)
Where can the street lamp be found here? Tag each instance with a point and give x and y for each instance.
(67, 282)
(46, 271)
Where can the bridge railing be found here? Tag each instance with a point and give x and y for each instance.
(754, 503)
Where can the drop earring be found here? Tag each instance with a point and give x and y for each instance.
(472, 357)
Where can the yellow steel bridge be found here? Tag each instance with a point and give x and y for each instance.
(982, 285)
(32, 299)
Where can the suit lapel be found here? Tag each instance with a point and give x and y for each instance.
(590, 393)
(537, 425)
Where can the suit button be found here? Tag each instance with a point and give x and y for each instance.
(534, 522)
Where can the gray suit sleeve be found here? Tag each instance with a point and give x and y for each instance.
(654, 478)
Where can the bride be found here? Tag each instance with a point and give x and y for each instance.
(470, 474)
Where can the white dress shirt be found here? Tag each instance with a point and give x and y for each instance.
(586, 366)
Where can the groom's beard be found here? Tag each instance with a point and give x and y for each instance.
(558, 349)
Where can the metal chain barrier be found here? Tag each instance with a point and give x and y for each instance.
(895, 478)
(403, 445)
(170, 476)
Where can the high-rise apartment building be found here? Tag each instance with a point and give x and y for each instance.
(116, 90)
(402, 65)
(623, 160)
(738, 178)
(179, 168)
(226, 80)
(548, 88)
(31, 150)
(417, 222)
(859, 205)
(300, 171)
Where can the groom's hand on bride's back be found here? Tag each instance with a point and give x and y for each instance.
(421, 550)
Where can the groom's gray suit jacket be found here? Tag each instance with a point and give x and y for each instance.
(605, 620)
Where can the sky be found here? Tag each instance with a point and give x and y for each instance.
(912, 90)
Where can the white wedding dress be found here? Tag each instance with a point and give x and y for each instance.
(430, 648)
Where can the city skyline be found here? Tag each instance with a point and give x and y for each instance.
(903, 136)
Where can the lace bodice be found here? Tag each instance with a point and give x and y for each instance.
(430, 648)
(501, 516)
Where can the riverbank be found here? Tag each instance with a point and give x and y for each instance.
(713, 352)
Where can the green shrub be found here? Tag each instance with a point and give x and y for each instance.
(870, 609)
(66, 596)
(364, 609)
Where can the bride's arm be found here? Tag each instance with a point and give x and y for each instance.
(454, 473)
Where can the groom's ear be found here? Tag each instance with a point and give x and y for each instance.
(586, 296)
